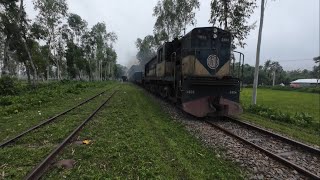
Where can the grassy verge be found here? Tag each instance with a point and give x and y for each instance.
(287, 101)
(299, 133)
(133, 138)
(291, 103)
(18, 160)
(14, 123)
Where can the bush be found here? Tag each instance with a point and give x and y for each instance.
(311, 89)
(8, 86)
(5, 101)
(300, 118)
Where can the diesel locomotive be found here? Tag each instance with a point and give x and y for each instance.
(195, 72)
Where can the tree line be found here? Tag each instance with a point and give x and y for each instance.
(55, 45)
(272, 73)
(174, 16)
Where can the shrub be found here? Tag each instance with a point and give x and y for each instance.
(5, 101)
(311, 89)
(299, 118)
(8, 86)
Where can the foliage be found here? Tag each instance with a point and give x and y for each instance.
(300, 118)
(146, 49)
(233, 16)
(280, 104)
(92, 49)
(316, 69)
(8, 86)
(266, 72)
(173, 16)
(120, 70)
(27, 98)
(311, 89)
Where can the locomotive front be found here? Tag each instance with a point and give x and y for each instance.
(207, 86)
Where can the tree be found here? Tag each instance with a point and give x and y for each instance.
(77, 25)
(232, 15)
(272, 68)
(23, 39)
(102, 42)
(120, 70)
(14, 27)
(51, 12)
(172, 17)
(146, 49)
(316, 69)
(9, 27)
(256, 72)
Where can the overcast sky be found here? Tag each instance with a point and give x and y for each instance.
(290, 33)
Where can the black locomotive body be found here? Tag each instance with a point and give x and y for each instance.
(195, 72)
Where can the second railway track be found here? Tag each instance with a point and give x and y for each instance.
(33, 146)
(49, 120)
(41, 168)
(301, 157)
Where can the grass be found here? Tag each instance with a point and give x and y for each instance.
(14, 123)
(132, 138)
(19, 159)
(289, 102)
(299, 133)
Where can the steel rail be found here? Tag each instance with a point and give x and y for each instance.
(274, 156)
(49, 120)
(40, 169)
(290, 141)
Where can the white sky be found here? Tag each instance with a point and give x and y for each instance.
(290, 33)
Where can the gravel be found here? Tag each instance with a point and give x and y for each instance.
(256, 164)
(307, 160)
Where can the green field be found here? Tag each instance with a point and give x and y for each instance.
(288, 102)
(132, 138)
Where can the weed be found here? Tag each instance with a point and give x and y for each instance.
(299, 118)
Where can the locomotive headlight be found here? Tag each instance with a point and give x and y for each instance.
(215, 36)
(215, 30)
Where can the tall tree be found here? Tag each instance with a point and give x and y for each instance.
(102, 40)
(316, 69)
(78, 25)
(146, 49)
(23, 38)
(173, 16)
(9, 27)
(256, 72)
(233, 15)
(272, 68)
(51, 13)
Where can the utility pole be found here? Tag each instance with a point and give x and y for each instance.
(256, 72)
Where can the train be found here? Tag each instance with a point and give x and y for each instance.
(196, 72)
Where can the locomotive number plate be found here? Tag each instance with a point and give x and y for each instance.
(191, 92)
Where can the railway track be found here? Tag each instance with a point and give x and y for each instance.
(301, 157)
(50, 120)
(49, 135)
(41, 168)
